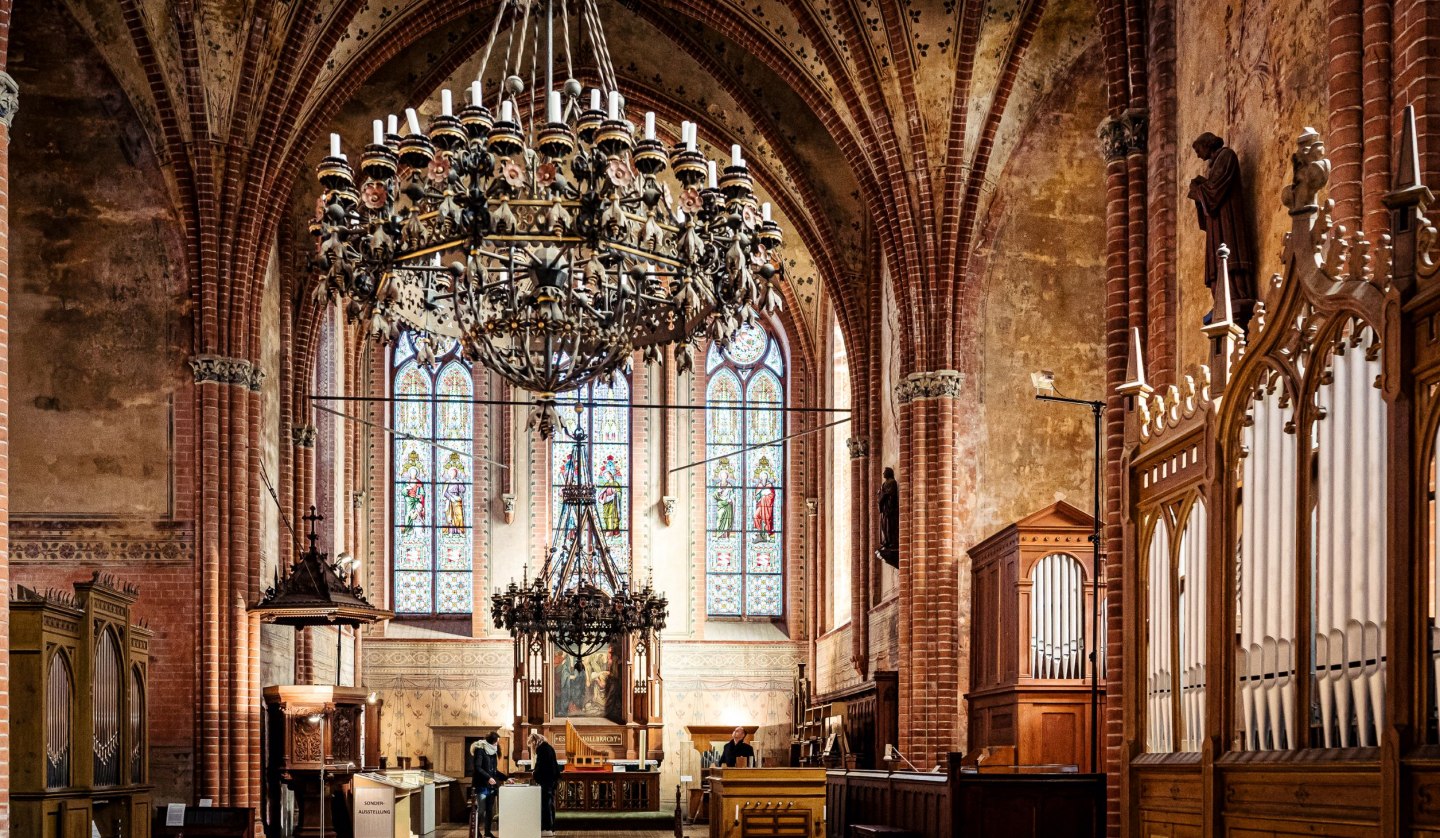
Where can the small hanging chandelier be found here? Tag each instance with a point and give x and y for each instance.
(542, 235)
(580, 600)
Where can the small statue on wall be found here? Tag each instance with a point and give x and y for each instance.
(889, 502)
(1219, 205)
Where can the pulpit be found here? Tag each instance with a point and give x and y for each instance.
(79, 675)
(314, 736)
(312, 745)
(1031, 590)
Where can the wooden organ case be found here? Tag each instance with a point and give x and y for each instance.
(1279, 526)
(79, 675)
(1031, 591)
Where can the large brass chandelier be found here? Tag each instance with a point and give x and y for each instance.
(544, 235)
(580, 600)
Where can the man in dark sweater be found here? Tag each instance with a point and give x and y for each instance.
(484, 766)
(736, 748)
(546, 773)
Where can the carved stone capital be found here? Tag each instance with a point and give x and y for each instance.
(9, 99)
(667, 509)
(507, 507)
(217, 369)
(938, 384)
(303, 436)
(357, 499)
(812, 505)
(859, 448)
(1123, 135)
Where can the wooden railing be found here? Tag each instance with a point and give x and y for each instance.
(990, 804)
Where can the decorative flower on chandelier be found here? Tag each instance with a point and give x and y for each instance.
(580, 600)
(552, 249)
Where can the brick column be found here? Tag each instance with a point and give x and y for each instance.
(228, 401)
(9, 104)
(934, 571)
(302, 438)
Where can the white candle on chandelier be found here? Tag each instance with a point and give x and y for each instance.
(447, 103)
(764, 212)
(735, 158)
(477, 95)
(507, 111)
(379, 133)
(553, 106)
(334, 145)
(413, 120)
(614, 104)
(392, 126)
(690, 140)
(710, 167)
(595, 99)
(649, 125)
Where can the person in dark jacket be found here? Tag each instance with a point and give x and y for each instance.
(737, 747)
(486, 776)
(546, 773)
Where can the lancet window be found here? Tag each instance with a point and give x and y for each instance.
(602, 411)
(433, 473)
(745, 477)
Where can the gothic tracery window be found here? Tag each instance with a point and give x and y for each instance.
(433, 483)
(745, 477)
(604, 416)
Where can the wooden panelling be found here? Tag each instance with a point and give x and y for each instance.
(916, 802)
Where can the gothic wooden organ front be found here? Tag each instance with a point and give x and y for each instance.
(1280, 526)
(79, 670)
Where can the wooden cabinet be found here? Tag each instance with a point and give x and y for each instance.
(79, 668)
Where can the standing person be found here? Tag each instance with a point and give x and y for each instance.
(485, 766)
(547, 776)
(737, 748)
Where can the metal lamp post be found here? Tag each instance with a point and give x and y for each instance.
(1044, 382)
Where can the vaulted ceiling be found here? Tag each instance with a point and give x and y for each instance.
(878, 127)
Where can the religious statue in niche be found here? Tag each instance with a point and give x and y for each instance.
(411, 471)
(1220, 208)
(763, 519)
(889, 503)
(724, 494)
(590, 690)
(454, 494)
(609, 494)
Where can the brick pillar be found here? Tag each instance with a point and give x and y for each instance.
(935, 425)
(302, 438)
(228, 402)
(9, 104)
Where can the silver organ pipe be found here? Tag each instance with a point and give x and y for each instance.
(107, 688)
(1192, 628)
(1266, 627)
(1159, 733)
(1057, 633)
(1349, 590)
(59, 699)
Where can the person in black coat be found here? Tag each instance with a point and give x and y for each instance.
(487, 779)
(737, 747)
(546, 774)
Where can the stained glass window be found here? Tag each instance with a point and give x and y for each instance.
(434, 483)
(604, 416)
(745, 477)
